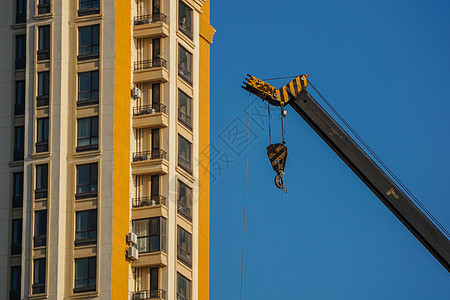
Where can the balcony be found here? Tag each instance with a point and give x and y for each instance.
(43, 8)
(146, 162)
(42, 100)
(151, 70)
(43, 54)
(89, 7)
(149, 201)
(148, 155)
(20, 63)
(151, 294)
(150, 26)
(40, 240)
(150, 116)
(42, 146)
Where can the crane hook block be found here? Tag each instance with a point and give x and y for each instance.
(277, 154)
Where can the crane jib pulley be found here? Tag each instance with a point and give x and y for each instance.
(396, 200)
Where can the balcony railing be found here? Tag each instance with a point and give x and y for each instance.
(43, 54)
(44, 8)
(17, 202)
(21, 18)
(20, 63)
(184, 256)
(16, 249)
(181, 297)
(40, 193)
(14, 295)
(40, 240)
(86, 52)
(18, 155)
(38, 288)
(19, 109)
(42, 146)
(184, 118)
(148, 19)
(149, 155)
(149, 109)
(184, 73)
(150, 294)
(89, 7)
(42, 100)
(149, 63)
(149, 201)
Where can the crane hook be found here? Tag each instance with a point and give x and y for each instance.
(277, 154)
(279, 181)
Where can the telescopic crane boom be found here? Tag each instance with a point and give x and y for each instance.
(294, 94)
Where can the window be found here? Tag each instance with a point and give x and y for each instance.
(184, 200)
(87, 134)
(184, 109)
(86, 227)
(184, 154)
(88, 88)
(43, 88)
(183, 288)
(40, 228)
(20, 52)
(88, 42)
(17, 200)
(88, 7)
(85, 274)
(44, 7)
(41, 181)
(184, 64)
(39, 276)
(42, 135)
(15, 283)
(185, 19)
(18, 143)
(21, 11)
(151, 234)
(16, 237)
(19, 105)
(44, 43)
(87, 179)
(184, 246)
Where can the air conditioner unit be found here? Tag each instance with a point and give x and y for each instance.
(132, 253)
(135, 92)
(132, 238)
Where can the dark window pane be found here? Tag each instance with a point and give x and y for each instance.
(16, 280)
(44, 37)
(184, 64)
(41, 176)
(87, 136)
(20, 52)
(184, 246)
(43, 83)
(19, 105)
(17, 200)
(88, 42)
(183, 287)
(184, 108)
(88, 86)
(86, 227)
(184, 200)
(42, 135)
(151, 234)
(40, 228)
(16, 236)
(87, 178)
(85, 274)
(184, 154)
(39, 276)
(185, 19)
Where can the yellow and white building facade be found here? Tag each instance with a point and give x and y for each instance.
(104, 160)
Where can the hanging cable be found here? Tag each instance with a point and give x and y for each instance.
(282, 130)
(378, 159)
(245, 197)
(270, 132)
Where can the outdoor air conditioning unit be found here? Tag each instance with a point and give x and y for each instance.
(132, 253)
(135, 92)
(132, 238)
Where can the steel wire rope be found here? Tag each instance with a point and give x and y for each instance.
(245, 196)
(379, 160)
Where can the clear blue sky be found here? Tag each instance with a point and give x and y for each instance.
(385, 66)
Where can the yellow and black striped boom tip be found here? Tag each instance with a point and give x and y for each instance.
(275, 96)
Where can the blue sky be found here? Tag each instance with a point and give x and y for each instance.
(385, 66)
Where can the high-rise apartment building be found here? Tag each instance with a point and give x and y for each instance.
(104, 159)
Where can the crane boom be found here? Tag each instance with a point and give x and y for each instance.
(360, 163)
